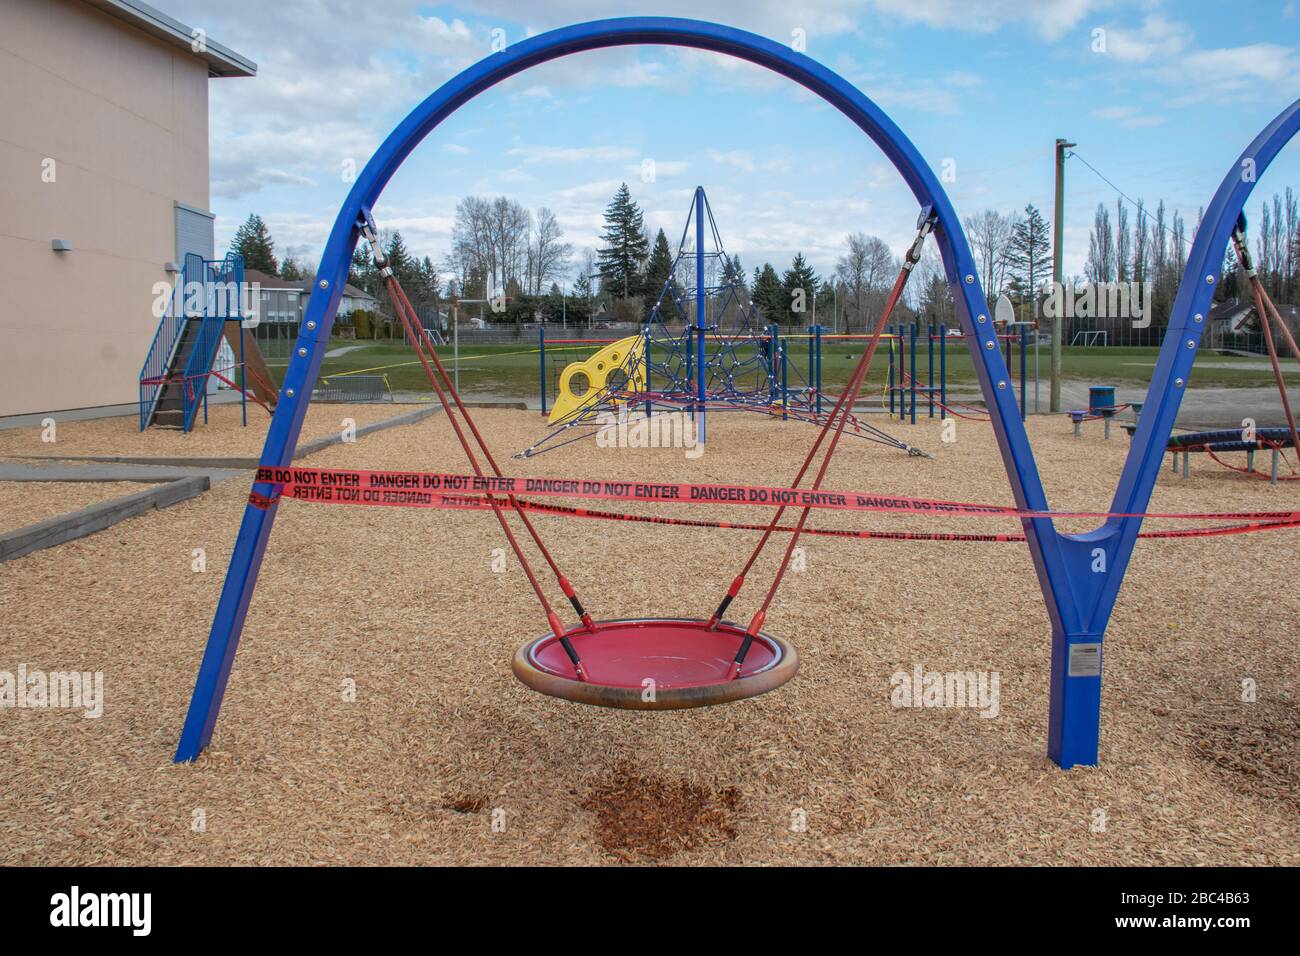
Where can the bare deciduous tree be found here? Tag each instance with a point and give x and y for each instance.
(865, 272)
(990, 237)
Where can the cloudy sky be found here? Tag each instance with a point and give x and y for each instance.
(1160, 97)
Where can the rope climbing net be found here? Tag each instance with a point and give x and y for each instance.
(729, 360)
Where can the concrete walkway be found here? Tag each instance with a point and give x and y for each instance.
(345, 349)
(109, 471)
(222, 397)
(1201, 408)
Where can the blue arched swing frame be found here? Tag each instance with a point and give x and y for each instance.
(1079, 599)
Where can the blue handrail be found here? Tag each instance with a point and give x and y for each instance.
(222, 282)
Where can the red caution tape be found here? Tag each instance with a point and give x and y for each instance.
(413, 489)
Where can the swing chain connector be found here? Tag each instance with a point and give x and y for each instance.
(1242, 247)
(925, 225)
(370, 232)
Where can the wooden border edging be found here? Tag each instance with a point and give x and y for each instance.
(87, 521)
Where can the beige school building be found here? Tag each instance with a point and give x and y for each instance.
(103, 190)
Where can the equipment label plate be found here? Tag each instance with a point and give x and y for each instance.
(1085, 660)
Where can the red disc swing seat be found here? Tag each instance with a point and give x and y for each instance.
(655, 664)
(645, 663)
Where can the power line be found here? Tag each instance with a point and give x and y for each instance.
(1141, 209)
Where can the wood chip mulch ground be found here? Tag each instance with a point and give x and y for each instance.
(27, 502)
(372, 717)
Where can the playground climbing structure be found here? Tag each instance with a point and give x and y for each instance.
(703, 348)
(206, 307)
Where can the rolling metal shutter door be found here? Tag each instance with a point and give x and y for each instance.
(193, 232)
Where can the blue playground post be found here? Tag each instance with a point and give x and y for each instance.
(773, 336)
(688, 334)
(943, 368)
(699, 311)
(243, 370)
(818, 376)
(1024, 352)
(892, 339)
(912, 361)
(929, 344)
(785, 385)
(541, 354)
(1080, 574)
(648, 403)
(812, 357)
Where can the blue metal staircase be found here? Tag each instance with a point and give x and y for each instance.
(174, 378)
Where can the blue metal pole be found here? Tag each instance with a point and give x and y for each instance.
(813, 358)
(243, 373)
(890, 332)
(541, 356)
(1024, 352)
(943, 368)
(648, 404)
(819, 370)
(688, 333)
(911, 331)
(699, 311)
(785, 386)
(929, 346)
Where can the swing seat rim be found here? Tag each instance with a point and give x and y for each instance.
(535, 675)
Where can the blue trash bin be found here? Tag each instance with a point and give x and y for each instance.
(1100, 397)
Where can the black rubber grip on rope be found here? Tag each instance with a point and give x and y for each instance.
(568, 649)
(744, 649)
(722, 608)
(577, 606)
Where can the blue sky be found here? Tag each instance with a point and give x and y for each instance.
(1162, 102)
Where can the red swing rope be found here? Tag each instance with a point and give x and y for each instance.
(838, 417)
(425, 353)
(1264, 306)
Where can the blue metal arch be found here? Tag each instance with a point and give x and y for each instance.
(1075, 703)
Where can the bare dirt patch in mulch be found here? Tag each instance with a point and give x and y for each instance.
(642, 816)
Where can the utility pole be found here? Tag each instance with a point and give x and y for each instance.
(1058, 230)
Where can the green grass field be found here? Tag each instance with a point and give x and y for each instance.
(512, 371)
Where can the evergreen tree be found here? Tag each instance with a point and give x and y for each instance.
(626, 246)
(799, 285)
(253, 242)
(1029, 254)
(362, 274)
(658, 271)
(291, 271)
(733, 273)
(769, 295)
(401, 261)
(426, 287)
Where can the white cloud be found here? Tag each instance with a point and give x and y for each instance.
(1051, 19)
(438, 31)
(1157, 38)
